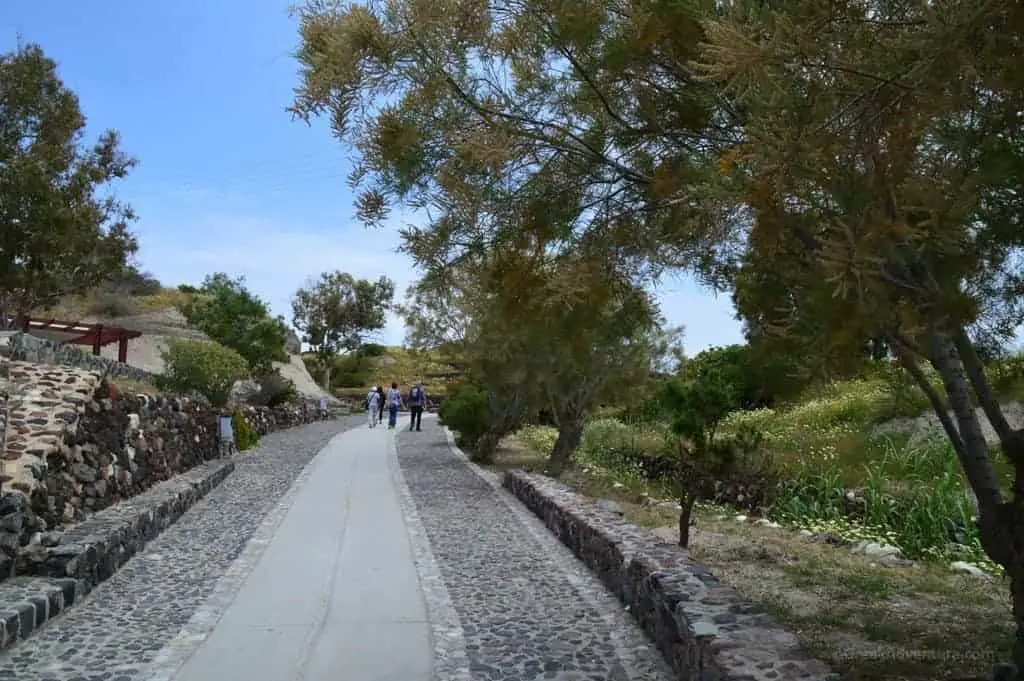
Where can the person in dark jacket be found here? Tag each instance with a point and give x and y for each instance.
(380, 415)
(417, 401)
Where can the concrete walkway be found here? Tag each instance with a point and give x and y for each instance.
(335, 594)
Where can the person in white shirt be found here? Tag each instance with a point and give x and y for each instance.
(373, 406)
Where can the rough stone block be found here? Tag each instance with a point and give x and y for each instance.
(704, 629)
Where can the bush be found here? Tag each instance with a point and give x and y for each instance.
(372, 350)
(352, 371)
(468, 413)
(246, 436)
(111, 304)
(634, 451)
(279, 390)
(204, 367)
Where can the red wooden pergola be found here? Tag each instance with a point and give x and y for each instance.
(95, 335)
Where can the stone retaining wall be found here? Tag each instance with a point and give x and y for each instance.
(28, 348)
(76, 445)
(702, 627)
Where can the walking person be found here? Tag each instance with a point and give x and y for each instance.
(381, 402)
(373, 406)
(417, 401)
(394, 402)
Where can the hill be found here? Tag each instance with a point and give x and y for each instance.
(157, 316)
(352, 375)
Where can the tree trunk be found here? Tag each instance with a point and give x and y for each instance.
(975, 460)
(486, 447)
(687, 500)
(327, 376)
(570, 432)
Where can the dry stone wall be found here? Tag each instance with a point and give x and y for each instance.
(703, 628)
(75, 445)
(28, 348)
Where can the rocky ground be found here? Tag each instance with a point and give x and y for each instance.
(125, 621)
(528, 609)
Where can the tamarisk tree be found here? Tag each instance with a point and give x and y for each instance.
(881, 170)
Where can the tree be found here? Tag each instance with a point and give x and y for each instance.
(545, 330)
(205, 367)
(435, 312)
(709, 387)
(226, 311)
(59, 235)
(489, 111)
(592, 329)
(337, 311)
(881, 168)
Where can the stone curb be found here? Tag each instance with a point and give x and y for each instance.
(702, 628)
(96, 548)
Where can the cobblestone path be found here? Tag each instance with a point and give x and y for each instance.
(512, 601)
(504, 600)
(125, 621)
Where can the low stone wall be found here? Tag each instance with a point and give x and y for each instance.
(28, 348)
(76, 445)
(66, 566)
(702, 627)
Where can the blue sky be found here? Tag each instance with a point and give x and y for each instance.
(226, 180)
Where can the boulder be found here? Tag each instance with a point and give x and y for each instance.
(242, 392)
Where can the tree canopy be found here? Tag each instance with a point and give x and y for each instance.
(336, 312)
(63, 231)
(851, 171)
(225, 310)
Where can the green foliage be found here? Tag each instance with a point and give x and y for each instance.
(468, 413)
(226, 311)
(205, 367)
(353, 370)
(63, 232)
(372, 349)
(709, 387)
(637, 451)
(132, 282)
(336, 311)
(275, 390)
(246, 436)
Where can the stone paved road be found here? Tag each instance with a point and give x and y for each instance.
(502, 599)
(516, 602)
(124, 622)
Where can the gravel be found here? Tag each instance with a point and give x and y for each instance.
(527, 609)
(125, 621)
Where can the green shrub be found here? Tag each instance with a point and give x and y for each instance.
(275, 390)
(372, 349)
(246, 436)
(635, 451)
(352, 371)
(204, 367)
(113, 304)
(468, 413)
(540, 439)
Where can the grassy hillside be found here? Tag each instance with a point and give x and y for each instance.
(106, 304)
(351, 376)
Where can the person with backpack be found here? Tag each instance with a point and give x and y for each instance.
(417, 401)
(394, 402)
(373, 406)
